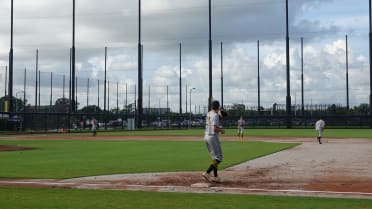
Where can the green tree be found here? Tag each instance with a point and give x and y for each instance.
(362, 109)
(91, 109)
(237, 109)
(62, 105)
(18, 104)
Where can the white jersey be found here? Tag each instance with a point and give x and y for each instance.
(319, 125)
(240, 123)
(212, 119)
(94, 124)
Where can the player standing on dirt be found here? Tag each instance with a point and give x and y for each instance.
(212, 142)
(319, 127)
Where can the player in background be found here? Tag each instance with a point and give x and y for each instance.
(94, 126)
(319, 127)
(212, 142)
(240, 128)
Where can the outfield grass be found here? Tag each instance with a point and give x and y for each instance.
(67, 159)
(330, 133)
(19, 198)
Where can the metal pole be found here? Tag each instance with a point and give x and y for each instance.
(221, 75)
(370, 65)
(98, 94)
(126, 95)
(190, 106)
(180, 80)
(186, 99)
(302, 77)
(190, 109)
(140, 93)
(149, 97)
(108, 96)
(347, 74)
(288, 98)
(39, 89)
(210, 56)
(117, 97)
(69, 86)
(167, 100)
(190, 102)
(69, 95)
(76, 96)
(73, 109)
(10, 96)
(88, 93)
(63, 92)
(6, 79)
(36, 76)
(135, 101)
(51, 89)
(104, 85)
(24, 91)
(258, 77)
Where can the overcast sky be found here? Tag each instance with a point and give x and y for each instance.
(47, 26)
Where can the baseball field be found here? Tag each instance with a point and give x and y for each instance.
(271, 168)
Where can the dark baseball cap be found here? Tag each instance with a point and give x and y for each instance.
(215, 105)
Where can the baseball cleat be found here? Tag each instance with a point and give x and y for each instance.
(207, 176)
(217, 179)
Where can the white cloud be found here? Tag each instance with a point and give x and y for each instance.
(336, 47)
(47, 25)
(166, 75)
(275, 59)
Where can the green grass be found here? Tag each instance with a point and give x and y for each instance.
(20, 198)
(67, 159)
(330, 133)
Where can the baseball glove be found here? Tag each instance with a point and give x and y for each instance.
(222, 113)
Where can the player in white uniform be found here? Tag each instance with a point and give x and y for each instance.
(240, 128)
(94, 126)
(319, 127)
(212, 142)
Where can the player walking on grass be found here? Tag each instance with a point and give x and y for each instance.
(94, 126)
(240, 128)
(212, 142)
(319, 127)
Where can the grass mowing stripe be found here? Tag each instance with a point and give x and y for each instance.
(67, 159)
(19, 198)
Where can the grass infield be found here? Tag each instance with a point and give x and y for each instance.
(67, 159)
(19, 198)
